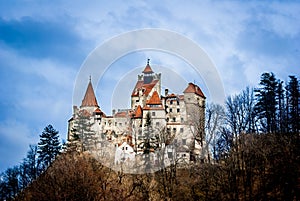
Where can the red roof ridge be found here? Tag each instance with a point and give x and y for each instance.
(89, 97)
(148, 68)
(154, 100)
(140, 86)
(138, 112)
(192, 88)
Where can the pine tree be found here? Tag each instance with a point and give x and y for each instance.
(49, 146)
(149, 142)
(293, 96)
(266, 105)
(82, 134)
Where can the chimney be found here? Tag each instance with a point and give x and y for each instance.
(113, 112)
(166, 92)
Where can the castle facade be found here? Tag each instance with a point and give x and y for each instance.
(153, 122)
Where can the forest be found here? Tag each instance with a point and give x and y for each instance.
(253, 139)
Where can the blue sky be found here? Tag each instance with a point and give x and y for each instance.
(44, 43)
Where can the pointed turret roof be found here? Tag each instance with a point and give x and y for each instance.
(148, 68)
(89, 97)
(192, 88)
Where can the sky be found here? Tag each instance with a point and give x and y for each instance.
(43, 45)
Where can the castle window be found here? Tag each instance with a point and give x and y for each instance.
(174, 130)
(170, 109)
(181, 130)
(115, 123)
(174, 119)
(171, 102)
(167, 119)
(157, 123)
(183, 141)
(181, 120)
(126, 148)
(178, 110)
(177, 102)
(136, 100)
(153, 113)
(120, 124)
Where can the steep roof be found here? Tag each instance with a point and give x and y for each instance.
(138, 112)
(98, 111)
(192, 88)
(89, 97)
(148, 69)
(154, 103)
(154, 100)
(141, 86)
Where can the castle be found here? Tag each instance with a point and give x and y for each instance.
(153, 121)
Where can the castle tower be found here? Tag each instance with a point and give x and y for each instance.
(147, 83)
(148, 73)
(195, 110)
(89, 109)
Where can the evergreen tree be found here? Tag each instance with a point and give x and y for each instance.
(49, 146)
(82, 134)
(293, 101)
(150, 141)
(281, 116)
(266, 105)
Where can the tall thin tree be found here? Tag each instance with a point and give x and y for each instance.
(49, 146)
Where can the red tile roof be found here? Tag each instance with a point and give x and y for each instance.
(141, 86)
(84, 113)
(98, 111)
(148, 69)
(171, 96)
(192, 88)
(154, 100)
(121, 114)
(89, 97)
(138, 112)
(147, 107)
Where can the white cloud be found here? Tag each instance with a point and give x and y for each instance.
(15, 139)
